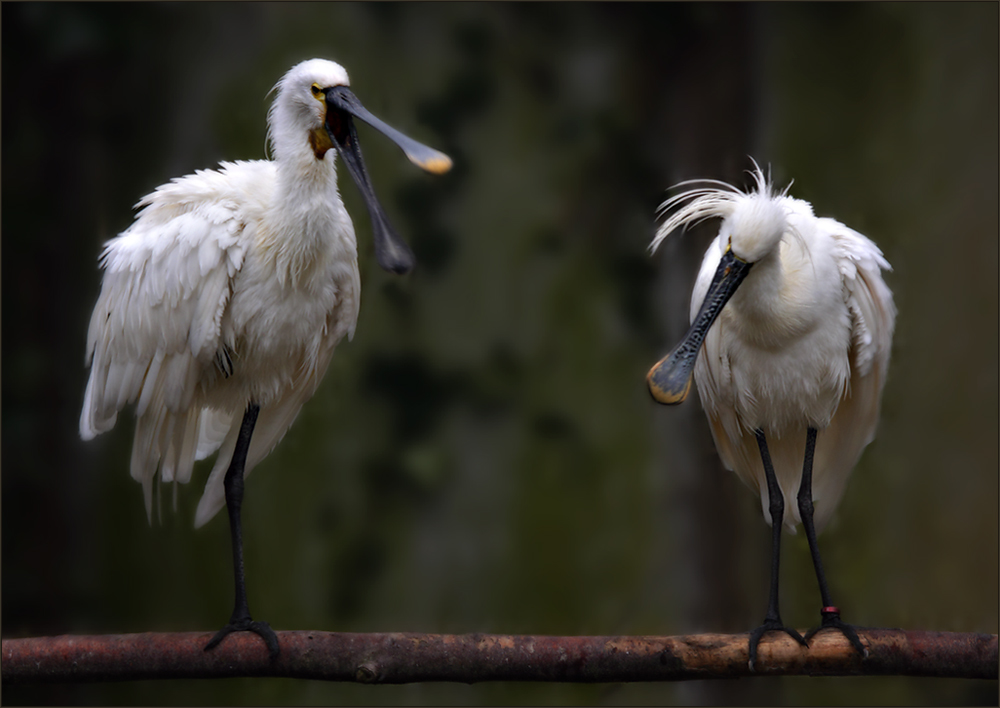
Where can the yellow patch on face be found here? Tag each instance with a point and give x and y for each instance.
(729, 247)
(320, 142)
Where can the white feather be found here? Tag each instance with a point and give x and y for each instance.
(803, 342)
(232, 285)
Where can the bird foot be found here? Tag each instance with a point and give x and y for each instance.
(261, 629)
(831, 620)
(772, 624)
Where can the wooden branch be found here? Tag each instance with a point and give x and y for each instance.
(470, 658)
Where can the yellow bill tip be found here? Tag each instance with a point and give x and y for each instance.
(437, 164)
(668, 396)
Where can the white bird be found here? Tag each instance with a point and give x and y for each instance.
(222, 303)
(797, 324)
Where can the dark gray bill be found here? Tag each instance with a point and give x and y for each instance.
(391, 251)
(670, 379)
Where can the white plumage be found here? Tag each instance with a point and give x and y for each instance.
(804, 340)
(233, 286)
(791, 325)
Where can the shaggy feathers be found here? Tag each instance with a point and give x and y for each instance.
(804, 341)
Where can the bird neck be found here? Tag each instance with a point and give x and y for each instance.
(310, 226)
(768, 306)
(787, 293)
(304, 178)
(764, 282)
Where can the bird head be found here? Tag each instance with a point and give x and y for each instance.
(753, 224)
(314, 106)
(299, 110)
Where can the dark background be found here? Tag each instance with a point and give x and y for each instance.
(484, 456)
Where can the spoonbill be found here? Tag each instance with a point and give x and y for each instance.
(796, 323)
(222, 303)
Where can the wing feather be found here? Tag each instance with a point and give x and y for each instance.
(156, 326)
(873, 318)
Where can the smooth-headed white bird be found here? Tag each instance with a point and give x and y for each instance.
(222, 303)
(796, 324)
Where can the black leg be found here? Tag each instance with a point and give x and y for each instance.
(830, 613)
(772, 620)
(241, 620)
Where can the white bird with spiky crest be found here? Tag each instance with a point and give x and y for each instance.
(222, 303)
(796, 324)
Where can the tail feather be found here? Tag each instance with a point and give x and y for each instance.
(214, 428)
(214, 496)
(272, 424)
(167, 442)
(92, 421)
(187, 446)
(146, 454)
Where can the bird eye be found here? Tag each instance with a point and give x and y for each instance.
(317, 91)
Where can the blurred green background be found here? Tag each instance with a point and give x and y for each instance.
(484, 456)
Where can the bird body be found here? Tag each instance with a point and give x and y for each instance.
(231, 286)
(791, 328)
(222, 303)
(803, 342)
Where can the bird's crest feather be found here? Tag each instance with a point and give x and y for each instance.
(711, 199)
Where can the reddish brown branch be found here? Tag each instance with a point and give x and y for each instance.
(470, 658)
